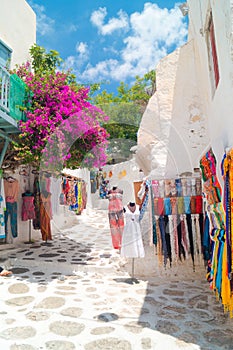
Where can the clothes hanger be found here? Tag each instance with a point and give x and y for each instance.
(23, 172)
(10, 178)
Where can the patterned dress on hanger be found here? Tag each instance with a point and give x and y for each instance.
(116, 216)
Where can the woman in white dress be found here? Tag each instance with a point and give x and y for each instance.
(132, 245)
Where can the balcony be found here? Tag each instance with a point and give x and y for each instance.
(12, 98)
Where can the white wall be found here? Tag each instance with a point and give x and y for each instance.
(218, 106)
(174, 131)
(17, 28)
(185, 117)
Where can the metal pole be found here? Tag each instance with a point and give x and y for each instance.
(133, 268)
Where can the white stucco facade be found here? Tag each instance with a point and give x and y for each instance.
(187, 115)
(190, 112)
(18, 34)
(219, 103)
(17, 28)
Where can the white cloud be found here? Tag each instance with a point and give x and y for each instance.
(98, 17)
(153, 33)
(81, 48)
(44, 24)
(70, 62)
(76, 62)
(71, 28)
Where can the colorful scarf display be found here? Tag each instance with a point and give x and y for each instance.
(218, 227)
(178, 215)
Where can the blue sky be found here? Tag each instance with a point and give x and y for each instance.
(110, 41)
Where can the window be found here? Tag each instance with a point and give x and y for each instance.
(5, 54)
(213, 58)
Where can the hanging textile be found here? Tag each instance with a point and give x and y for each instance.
(74, 193)
(116, 216)
(178, 208)
(144, 195)
(45, 215)
(28, 207)
(132, 245)
(217, 248)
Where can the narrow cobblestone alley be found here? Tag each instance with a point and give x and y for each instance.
(75, 293)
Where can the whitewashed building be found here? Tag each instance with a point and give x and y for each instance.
(17, 31)
(192, 107)
(17, 35)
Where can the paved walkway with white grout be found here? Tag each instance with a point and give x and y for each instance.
(74, 293)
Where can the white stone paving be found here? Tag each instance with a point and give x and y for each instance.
(84, 298)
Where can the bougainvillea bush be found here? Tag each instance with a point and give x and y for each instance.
(63, 129)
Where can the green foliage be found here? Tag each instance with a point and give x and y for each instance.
(125, 110)
(42, 62)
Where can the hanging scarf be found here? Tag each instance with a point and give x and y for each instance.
(172, 238)
(187, 205)
(218, 282)
(180, 205)
(178, 187)
(227, 296)
(184, 232)
(167, 238)
(167, 206)
(145, 201)
(159, 243)
(154, 236)
(206, 238)
(181, 250)
(190, 234)
(164, 245)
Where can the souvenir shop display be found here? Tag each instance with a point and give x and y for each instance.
(177, 219)
(217, 239)
(74, 193)
(39, 202)
(116, 216)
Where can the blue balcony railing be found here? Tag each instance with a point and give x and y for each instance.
(12, 95)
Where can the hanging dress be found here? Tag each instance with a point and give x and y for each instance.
(28, 208)
(132, 245)
(116, 216)
(45, 215)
